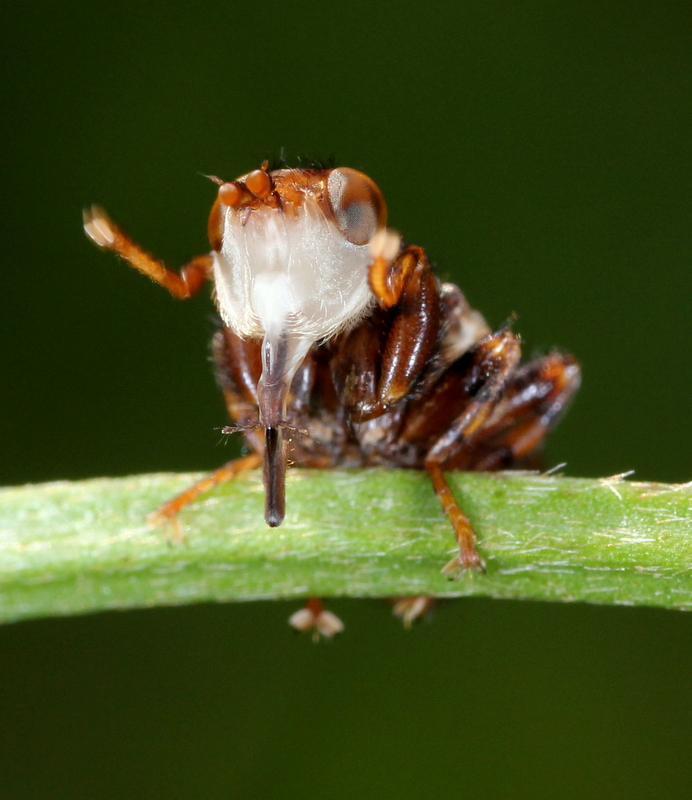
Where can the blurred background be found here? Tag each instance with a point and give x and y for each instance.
(541, 153)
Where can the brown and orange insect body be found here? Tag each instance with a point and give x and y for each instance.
(335, 334)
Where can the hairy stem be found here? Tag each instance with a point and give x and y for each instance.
(74, 547)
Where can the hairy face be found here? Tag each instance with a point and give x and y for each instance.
(291, 257)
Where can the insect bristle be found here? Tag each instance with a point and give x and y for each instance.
(283, 161)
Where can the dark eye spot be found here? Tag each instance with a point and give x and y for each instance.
(356, 203)
(360, 220)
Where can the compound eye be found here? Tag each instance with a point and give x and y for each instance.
(357, 204)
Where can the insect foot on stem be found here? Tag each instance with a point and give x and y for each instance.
(412, 609)
(170, 524)
(462, 562)
(315, 617)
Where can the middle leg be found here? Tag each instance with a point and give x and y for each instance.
(466, 396)
(168, 512)
(237, 369)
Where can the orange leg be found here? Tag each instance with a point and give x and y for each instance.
(168, 512)
(468, 557)
(497, 356)
(509, 419)
(390, 270)
(106, 234)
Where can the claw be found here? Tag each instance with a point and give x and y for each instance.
(173, 529)
(412, 609)
(461, 563)
(315, 617)
(98, 226)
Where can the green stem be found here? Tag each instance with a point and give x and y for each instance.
(74, 547)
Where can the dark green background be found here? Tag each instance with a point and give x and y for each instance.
(541, 153)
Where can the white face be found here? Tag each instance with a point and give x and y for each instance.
(292, 255)
(292, 279)
(292, 273)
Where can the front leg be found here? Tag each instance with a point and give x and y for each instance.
(382, 359)
(107, 235)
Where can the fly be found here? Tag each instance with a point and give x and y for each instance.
(336, 333)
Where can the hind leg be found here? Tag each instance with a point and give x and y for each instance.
(526, 406)
(534, 401)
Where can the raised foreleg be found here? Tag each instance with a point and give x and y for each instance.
(107, 235)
